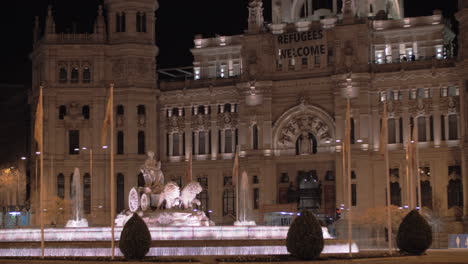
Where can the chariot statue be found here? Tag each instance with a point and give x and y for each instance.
(158, 195)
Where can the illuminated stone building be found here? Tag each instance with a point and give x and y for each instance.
(276, 92)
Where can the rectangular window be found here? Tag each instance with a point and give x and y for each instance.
(330, 57)
(279, 65)
(74, 142)
(292, 63)
(120, 142)
(256, 198)
(442, 127)
(201, 142)
(317, 61)
(141, 142)
(353, 195)
(304, 62)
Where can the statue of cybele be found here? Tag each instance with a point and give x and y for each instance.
(152, 172)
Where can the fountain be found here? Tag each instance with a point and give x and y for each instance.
(244, 202)
(177, 228)
(77, 198)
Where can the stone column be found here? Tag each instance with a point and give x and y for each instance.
(446, 122)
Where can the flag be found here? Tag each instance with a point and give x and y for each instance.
(235, 168)
(39, 120)
(384, 131)
(347, 139)
(188, 173)
(107, 117)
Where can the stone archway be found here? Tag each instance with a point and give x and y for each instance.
(303, 119)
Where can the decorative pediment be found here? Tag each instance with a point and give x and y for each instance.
(303, 119)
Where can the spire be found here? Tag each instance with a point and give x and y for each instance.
(36, 29)
(255, 20)
(348, 11)
(99, 25)
(50, 24)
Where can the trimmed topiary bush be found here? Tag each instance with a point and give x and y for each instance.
(414, 234)
(305, 238)
(135, 239)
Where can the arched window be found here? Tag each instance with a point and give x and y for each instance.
(85, 112)
(63, 75)
(87, 193)
(140, 22)
(426, 194)
(201, 110)
(254, 136)
(391, 131)
(62, 112)
(141, 142)
(422, 129)
(395, 193)
(86, 75)
(229, 198)
(61, 185)
(120, 142)
(453, 127)
(120, 192)
(74, 75)
(141, 110)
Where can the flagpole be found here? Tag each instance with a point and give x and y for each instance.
(407, 173)
(237, 184)
(112, 178)
(418, 174)
(348, 157)
(387, 174)
(41, 171)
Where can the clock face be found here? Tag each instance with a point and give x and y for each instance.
(133, 200)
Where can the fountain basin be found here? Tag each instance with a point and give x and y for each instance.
(167, 241)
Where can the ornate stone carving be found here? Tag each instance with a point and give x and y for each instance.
(200, 122)
(227, 120)
(175, 124)
(75, 111)
(300, 125)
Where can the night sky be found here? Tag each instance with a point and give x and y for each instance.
(178, 21)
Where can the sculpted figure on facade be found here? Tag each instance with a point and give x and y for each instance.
(305, 144)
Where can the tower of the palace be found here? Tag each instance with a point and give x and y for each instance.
(76, 70)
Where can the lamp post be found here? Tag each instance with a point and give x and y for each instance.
(349, 92)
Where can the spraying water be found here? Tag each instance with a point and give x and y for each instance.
(77, 202)
(244, 201)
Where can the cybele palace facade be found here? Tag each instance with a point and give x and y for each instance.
(276, 92)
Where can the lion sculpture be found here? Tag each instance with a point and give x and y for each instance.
(170, 194)
(188, 194)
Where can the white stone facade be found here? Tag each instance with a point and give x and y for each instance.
(277, 92)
